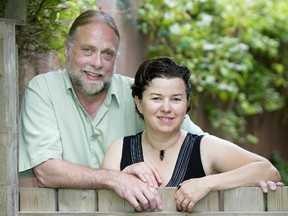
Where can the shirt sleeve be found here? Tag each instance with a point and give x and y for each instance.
(39, 137)
(189, 126)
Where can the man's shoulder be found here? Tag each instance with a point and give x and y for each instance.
(49, 78)
(123, 80)
(48, 75)
(121, 88)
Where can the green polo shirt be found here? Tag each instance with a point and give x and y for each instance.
(54, 125)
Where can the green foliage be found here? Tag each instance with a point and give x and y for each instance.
(236, 51)
(47, 25)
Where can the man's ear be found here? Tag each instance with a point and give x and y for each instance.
(66, 50)
(138, 103)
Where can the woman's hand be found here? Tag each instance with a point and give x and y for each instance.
(269, 185)
(189, 193)
(147, 172)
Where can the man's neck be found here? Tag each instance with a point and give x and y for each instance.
(91, 103)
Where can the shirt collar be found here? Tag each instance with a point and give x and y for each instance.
(68, 84)
(67, 80)
(112, 92)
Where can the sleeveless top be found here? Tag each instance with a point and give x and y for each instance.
(188, 164)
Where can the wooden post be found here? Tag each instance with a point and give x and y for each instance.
(8, 120)
(16, 10)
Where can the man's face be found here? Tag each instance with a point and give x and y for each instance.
(91, 58)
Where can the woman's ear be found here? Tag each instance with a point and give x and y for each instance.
(138, 103)
(188, 105)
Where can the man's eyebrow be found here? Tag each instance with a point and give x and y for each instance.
(110, 49)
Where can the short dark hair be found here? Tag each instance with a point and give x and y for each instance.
(90, 16)
(159, 67)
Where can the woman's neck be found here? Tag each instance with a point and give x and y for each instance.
(160, 141)
(160, 145)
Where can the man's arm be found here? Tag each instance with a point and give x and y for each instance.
(189, 126)
(63, 174)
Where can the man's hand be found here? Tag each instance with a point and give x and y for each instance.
(147, 172)
(139, 194)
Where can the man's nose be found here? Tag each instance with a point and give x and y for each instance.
(96, 60)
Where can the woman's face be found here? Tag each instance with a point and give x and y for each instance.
(164, 104)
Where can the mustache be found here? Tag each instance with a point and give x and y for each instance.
(93, 71)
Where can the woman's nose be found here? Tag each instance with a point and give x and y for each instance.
(166, 106)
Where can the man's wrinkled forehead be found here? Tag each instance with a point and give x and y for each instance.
(101, 29)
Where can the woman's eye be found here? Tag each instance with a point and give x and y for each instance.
(176, 100)
(156, 99)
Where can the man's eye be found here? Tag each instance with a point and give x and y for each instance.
(108, 54)
(87, 52)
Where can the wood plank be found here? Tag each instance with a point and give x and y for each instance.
(278, 200)
(77, 200)
(8, 200)
(109, 201)
(8, 120)
(210, 203)
(38, 199)
(8, 104)
(168, 199)
(16, 22)
(243, 199)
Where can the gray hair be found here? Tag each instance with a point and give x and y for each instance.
(90, 16)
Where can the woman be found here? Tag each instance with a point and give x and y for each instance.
(165, 155)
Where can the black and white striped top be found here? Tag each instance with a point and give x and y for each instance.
(188, 165)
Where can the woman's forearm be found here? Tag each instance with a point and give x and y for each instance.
(247, 175)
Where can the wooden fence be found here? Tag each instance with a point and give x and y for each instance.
(67, 202)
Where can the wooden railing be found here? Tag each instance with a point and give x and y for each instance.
(246, 201)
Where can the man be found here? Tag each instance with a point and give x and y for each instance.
(68, 118)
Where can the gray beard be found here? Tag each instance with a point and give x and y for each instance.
(80, 85)
(90, 92)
